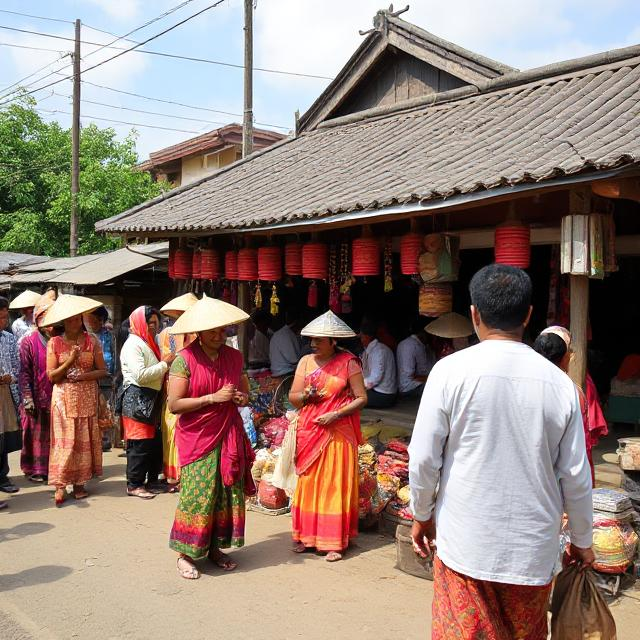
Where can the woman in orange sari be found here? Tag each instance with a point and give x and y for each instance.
(329, 390)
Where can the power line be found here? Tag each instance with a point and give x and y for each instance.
(29, 15)
(133, 124)
(181, 104)
(18, 82)
(22, 46)
(175, 56)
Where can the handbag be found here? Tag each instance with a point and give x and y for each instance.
(141, 404)
(284, 474)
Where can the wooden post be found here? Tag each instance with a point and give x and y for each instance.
(75, 147)
(247, 123)
(244, 302)
(579, 204)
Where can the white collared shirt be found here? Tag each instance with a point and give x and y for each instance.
(413, 360)
(285, 351)
(379, 368)
(498, 453)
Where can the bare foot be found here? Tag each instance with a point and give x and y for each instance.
(222, 560)
(333, 556)
(187, 569)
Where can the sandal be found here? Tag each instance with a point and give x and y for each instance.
(37, 477)
(300, 548)
(79, 492)
(3, 504)
(222, 560)
(333, 556)
(59, 497)
(141, 492)
(189, 572)
(173, 487)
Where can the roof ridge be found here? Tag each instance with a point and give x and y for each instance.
(613, 59)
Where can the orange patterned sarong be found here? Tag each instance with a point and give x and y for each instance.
(469, 609)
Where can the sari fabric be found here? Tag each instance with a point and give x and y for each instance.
(36, 386)
(76, 440)
(465, 608)
(138, 327)
(325, 504)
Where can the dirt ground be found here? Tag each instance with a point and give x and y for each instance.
(100, 569)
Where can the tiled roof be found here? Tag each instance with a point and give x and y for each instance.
(529, 126)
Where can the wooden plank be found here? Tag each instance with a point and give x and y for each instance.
(579, 294)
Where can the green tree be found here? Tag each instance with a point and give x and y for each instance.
(35, 183)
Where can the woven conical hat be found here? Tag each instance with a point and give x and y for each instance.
(208, 313)
(26, 299)
(67, 306)
(328, 325)
(178, 305)
(450, 325)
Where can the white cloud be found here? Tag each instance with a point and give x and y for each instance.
(120, 9)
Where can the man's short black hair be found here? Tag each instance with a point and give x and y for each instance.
(369, 327)
(502, 296)
(4, 303)
(418, 325)
(551, 346)
(101, 313)
(149, 312)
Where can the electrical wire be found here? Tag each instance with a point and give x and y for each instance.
(19, 82)
(133, 124)
(22, 46)
(179, 104)
(118, 55)
(30, 15)
(175, 56)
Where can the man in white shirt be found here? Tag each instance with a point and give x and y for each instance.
(259, 343)
(378, 368)
(415, 361)
(285, 347)
(497, 455)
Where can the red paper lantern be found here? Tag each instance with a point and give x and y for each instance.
(269, 263)
(231, 265)
(435, 299)
(210, 265)
(365, 257)
(172, 262)
(315, 261)
(196, 265)
(410, 249)
(293, 259)
(513, 245)
(247, 265)
(183, 264)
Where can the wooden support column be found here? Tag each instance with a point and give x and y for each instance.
(244, 302)
(579, 204)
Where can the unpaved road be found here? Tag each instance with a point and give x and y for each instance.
(101, 570)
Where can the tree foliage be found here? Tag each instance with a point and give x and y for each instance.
(35, 183)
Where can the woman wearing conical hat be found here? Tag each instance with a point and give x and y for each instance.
(206, 387)
(74, 365)
(36, 389)
(329, 390)
(172, 344)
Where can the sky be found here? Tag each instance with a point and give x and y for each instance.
(314, 37)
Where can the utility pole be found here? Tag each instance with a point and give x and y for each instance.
(75, 146)
(247, 124)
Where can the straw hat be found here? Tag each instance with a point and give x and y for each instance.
(24, 300)
(328, 325)
(67, 306)
(450, 325)
(178, 305)
(208, 313)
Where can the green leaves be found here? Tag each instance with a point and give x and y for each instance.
(35, 183)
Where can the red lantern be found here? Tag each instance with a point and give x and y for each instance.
(269, 263)
(210, 264)
(196, 265)
(410, 249)
(183, 264)
(435, 299)
(231, 265)
(365, 257)
(247, 265)
(293, 259)
(315, 261)
(513, 245)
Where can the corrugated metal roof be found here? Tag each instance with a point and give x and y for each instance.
(529, 127)
(11, 260)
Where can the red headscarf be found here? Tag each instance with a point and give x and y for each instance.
(138, 327)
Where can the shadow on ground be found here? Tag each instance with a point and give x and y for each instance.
(37, 575)
(23, 530)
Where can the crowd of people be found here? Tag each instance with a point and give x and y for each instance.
(499, 449)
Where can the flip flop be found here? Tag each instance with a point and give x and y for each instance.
(188, 574)
(3, 505)
(333, 556)
(141, 493)
(223, 561)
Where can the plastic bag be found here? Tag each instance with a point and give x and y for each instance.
(578, 610)
(284, 474)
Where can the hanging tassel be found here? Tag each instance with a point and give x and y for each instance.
(274, 302)
(388, 267)
(312, 298)
(257, 300)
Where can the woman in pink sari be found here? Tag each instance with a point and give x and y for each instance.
(329, 390)
(206, 387)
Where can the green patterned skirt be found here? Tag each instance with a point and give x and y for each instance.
(209, 515)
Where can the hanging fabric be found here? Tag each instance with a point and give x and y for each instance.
(312, 296)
